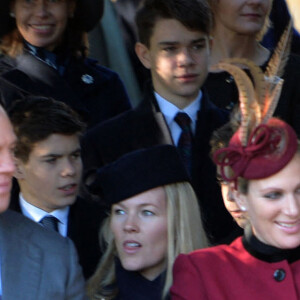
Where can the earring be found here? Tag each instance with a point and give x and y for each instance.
(243, 208)
(12, 15)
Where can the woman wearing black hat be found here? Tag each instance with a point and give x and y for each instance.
(45, 47)
(154, 217)
(262, 166)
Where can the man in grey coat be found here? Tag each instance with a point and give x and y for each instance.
(35, 263)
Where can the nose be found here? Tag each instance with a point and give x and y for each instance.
(292, 206)
(7, 164)
(41, 8)
(185, 57)
(69, 168)
(131, 224)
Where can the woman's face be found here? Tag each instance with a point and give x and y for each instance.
(273, 206)
(139, 226)
(238, 215)
(245, 17)
(42, 22)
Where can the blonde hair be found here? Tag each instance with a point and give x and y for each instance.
(185, 233)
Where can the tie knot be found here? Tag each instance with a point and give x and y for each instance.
(182, 119)
(50, 222)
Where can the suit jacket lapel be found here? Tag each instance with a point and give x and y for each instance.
(150, 104)
(20, 260)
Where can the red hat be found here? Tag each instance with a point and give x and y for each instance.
(269, 149)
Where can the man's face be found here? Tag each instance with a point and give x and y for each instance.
(50, 178)
(178, 60)
(7, 166)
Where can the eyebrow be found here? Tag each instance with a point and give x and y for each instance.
(140, 205)
(166, 43)
(55, 155)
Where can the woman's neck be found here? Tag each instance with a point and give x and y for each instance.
(229, 45)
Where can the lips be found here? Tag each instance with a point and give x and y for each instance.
(131, 247)
(289, 227)
(42, 28)
(69, 189)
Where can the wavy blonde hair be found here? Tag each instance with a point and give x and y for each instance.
(185, 233)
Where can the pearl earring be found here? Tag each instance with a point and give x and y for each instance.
(243, 208)
(12, 15)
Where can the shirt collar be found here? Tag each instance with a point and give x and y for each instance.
(36, 214)
(169, 110)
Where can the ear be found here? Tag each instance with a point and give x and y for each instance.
(143, 54)
(240, 199)
(19, 172)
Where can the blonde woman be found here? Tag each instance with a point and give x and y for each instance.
(154, 216)
(238, 26)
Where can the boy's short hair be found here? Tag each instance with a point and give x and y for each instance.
(34, 119)
(193, 14)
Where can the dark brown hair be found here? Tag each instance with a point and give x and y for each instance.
(195, 15)
(34, 119)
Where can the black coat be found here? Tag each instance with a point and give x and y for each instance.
(99, 99)
(145, 126)
(84, 222)
(223, 92)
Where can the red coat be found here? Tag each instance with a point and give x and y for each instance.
(230, 272)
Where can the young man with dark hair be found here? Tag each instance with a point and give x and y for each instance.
(49, 169)
(175, 46)
(35, 263)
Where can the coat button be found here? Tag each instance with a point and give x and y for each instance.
(279, 275)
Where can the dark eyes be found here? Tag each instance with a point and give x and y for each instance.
(194, 47)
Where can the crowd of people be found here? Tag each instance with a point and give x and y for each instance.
(190, 192)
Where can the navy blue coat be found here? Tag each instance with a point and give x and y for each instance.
(95, 92)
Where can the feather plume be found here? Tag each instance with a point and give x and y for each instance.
(280, 56)
(274, 71)
(246, 92)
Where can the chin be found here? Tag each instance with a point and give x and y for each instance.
(289, 244)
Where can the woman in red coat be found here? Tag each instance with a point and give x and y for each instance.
(262, 164)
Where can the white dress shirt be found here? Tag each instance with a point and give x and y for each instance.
(169, 111)
(36, 214)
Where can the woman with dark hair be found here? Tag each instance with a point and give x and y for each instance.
(154, 216)
(44, 47)
(262, 165)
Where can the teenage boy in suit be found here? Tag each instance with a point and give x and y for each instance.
(49, 168)
(35, 263)
(174, 45)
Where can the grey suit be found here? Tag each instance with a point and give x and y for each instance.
(36, 263)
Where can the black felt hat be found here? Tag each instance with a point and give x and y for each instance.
(137, 172)
(87, 14)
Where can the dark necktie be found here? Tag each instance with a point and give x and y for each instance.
(185, 141)
(50, 222)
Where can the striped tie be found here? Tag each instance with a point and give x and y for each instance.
(50, 222)
(185, 141)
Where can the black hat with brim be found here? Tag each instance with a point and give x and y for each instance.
(87, 14)
(137, 172)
